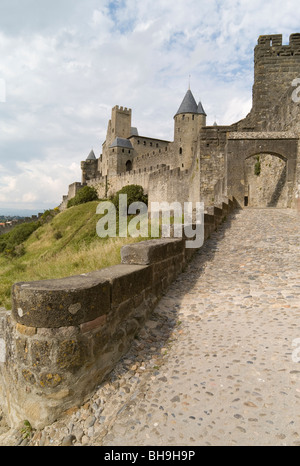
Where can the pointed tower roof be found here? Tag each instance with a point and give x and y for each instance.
(188, 105)
(201, 109)
(91, 156)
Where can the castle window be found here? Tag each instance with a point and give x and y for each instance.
(180, 150)
(122, 150)
(156, 144)
(144, 143)
(183, 117)
(151, 144)
(193, 117)
(138, 141)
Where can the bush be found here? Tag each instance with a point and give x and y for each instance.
(257, 167)
(135, 193)
(10, 243)
(58, 235)
(48, 215)
(85, 194)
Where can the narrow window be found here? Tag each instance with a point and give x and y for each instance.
(180, 150)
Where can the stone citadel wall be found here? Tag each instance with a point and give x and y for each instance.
(64, 335)
(271, 128)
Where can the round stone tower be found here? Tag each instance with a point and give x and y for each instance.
(188, 121)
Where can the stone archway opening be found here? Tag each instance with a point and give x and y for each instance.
(266, 180)
(128, 165)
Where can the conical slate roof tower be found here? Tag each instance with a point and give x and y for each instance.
(189, 105)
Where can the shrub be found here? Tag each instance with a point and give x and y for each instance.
(48, 215)
(135, 193)
(11, 241)
(85, 194)
(58, 235)
(257, 167)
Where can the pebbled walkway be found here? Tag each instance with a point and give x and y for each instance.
(232, 377)
(219, 361)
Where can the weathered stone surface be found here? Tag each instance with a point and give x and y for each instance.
(125, 280)
(93, 324)
(61, 302)
(29, 331)
(149, 252)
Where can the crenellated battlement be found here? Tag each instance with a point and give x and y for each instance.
(122, 109)
(270, 40)
(271, 46)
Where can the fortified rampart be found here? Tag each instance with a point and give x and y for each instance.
(225, 155)
(64, 336)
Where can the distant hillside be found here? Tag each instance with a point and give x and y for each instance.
(66, 245)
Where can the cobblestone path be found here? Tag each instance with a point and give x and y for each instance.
(231, 377)
(219, 361)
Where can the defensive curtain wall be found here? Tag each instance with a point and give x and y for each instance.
(64, 336)
(219, 160)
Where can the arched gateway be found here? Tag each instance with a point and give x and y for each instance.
(261, 168)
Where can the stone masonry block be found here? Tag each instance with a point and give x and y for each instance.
(93, 324)
(61, 302)
(149, 252)
(126, 281)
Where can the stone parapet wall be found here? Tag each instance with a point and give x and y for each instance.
(64, 336)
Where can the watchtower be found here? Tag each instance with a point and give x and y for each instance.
(275, 67)
(188, 120)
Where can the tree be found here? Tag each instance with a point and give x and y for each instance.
(85, 194)
(134, 192)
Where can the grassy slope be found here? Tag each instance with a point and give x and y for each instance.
(79, 250)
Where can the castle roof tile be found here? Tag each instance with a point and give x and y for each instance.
(189, 105)
(121, 142)
(201, 109)
(91, 156)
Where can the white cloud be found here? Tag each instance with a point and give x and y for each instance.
(39, 183)
(66, 64)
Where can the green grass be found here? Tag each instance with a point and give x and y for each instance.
(67, 245)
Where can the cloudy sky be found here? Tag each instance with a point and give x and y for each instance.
(65, 63)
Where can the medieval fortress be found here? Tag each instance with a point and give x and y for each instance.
(64, 336)
(256, 160)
